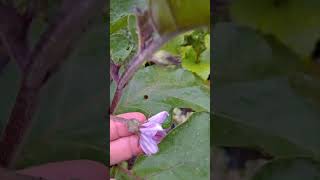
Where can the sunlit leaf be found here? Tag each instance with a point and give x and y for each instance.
(183, 154)
(154, 89)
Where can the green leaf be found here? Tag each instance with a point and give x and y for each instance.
(272, 107)
(189, 56)
(196, 53)
(242, 54)
(174, 45)
(196, 40)
(170, 16)
(132, 28)
(185, 46)
(123, 36)
(154, 89)
(121, 8)
(294, 22)
(183, 154)
(120, 48)
(228, 131)
(257, 88)
(121, 23)
(289, 169)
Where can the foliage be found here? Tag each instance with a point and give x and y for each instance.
(283, 19)
(154, 89)
(266, 82)
(164, 87)
(184, 153)
(194, 50)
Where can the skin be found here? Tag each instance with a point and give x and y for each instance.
(67, 170)
(123, 146)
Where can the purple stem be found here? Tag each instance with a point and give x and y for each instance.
(134, 66)
(114, 71)
(52, 49)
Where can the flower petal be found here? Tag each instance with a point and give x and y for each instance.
(151, 130)
(148, 145)
(159, 118)
(159, 136)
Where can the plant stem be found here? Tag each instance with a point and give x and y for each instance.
(134, 66)
(135, 63)
(129, 173)
(53, 48)
(114, 71)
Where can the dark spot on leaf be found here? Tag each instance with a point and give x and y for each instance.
(145, 97)
(316, 52)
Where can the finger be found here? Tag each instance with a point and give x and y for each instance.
(66, 170)
(124, 148)
(119, 129)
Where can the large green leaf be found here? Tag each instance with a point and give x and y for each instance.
(289, 169)
(294, 22)
(154, 89)
(122, 8)
(272, 107)
(120, 47)
(231, 132)
(123, 36)
(242, 54)
(175, 15)
(183, 154)
(259, 87)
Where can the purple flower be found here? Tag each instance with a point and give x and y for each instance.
(151, 133)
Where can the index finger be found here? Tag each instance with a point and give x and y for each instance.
(119, 129)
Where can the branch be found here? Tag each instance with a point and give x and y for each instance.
(114, 71)
(134, 66)
(147, 47)
(13, 34)
(53, 48)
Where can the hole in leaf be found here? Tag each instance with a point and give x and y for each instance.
(145, 97)
(149, 63)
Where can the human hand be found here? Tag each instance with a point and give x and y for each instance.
(123, 144)
(66, 170)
